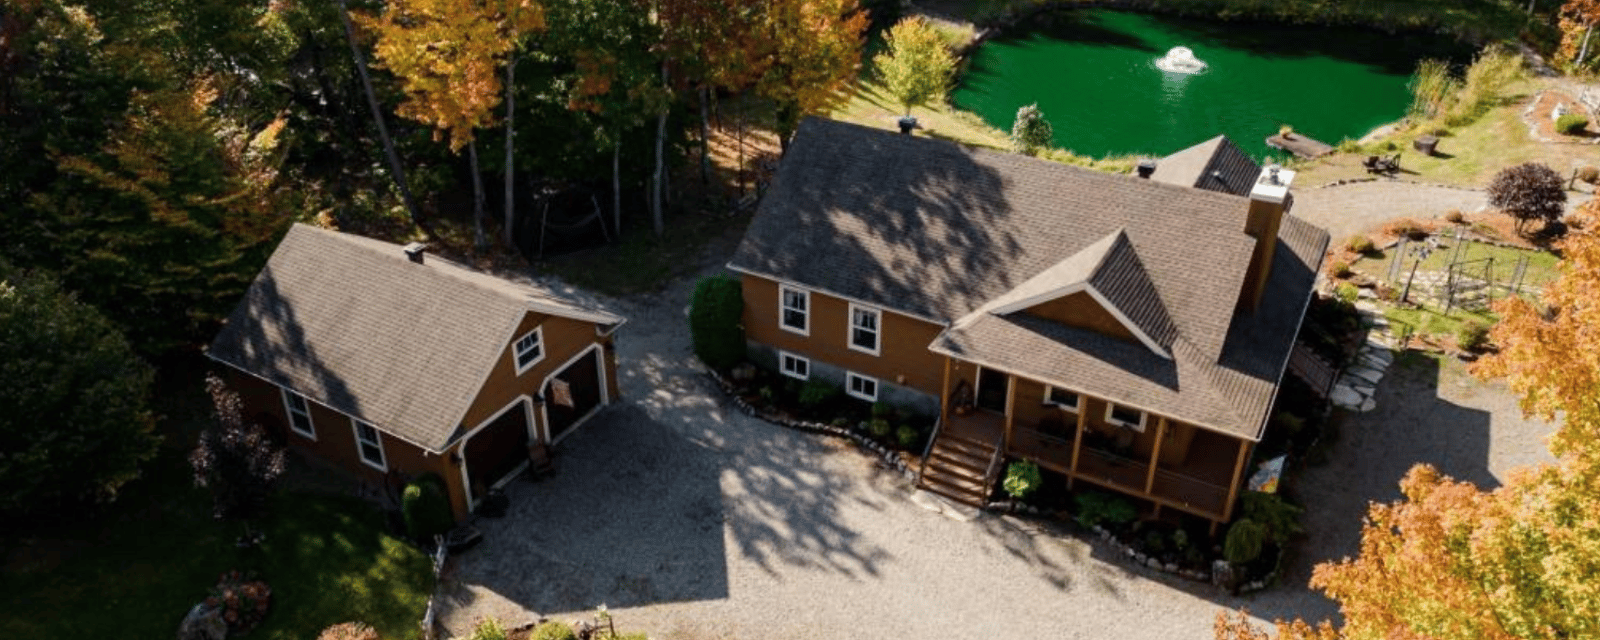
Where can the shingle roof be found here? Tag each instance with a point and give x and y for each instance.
(351, 323)
(1214, 165)
(938, 231)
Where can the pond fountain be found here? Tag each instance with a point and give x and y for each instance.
(1180, 60)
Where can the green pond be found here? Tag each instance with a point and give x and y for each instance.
(1093, 74)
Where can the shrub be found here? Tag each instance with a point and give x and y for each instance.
(1589, 174)
(1277, 516)
(1180, 540)
(1433, 90)
(1291, 424)
(879, 428)
(1030, 132)
(552, 630)
(817, 393)
(1571, 123)
(714, 322)
(236, 459)
(908, 437)
(1454, 216)
(348, 631)
(1486, 82)
(1407, 228)
(1339, 269)
(1154, 542)
(1098, 507)
(75, 425)
(490, 629)
(243, 599)
(767, 395)
(1347, 292)
(1528, 192)
(425, 509)
(1359, 244)
(1472, 335)
(1022, 479)
(882, 410)
(1244, 541)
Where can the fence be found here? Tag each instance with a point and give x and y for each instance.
(1451, 272)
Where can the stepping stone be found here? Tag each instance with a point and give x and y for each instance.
(1345, 397)
(1368, 405)
(1365, 374)
(1364, 390)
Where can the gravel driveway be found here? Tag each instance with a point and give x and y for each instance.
(692, 521)
(1347, 209)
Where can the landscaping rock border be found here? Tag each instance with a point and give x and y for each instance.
(888, 457)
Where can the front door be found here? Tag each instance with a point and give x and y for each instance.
(993, 387)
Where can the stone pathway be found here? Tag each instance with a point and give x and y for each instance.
(1358, 384)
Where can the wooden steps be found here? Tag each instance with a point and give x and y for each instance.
(956, 468)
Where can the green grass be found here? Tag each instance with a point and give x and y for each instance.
(1423, 321)
(1542, 265)
(135, 568)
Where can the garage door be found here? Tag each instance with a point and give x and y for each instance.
(497, 450)
(573, 393)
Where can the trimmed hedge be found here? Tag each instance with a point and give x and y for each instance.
(425, 509)
(714, 322)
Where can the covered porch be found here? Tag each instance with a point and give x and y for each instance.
(1092, 440)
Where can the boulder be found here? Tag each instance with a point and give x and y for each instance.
(204, 622)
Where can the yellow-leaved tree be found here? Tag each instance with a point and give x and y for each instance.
(447, 55)
(813, 54)
(1453, 562)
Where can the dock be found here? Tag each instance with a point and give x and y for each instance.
(1299, 145)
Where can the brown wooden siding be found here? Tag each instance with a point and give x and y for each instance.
(563, 338)
(903, 357)
(336, 441)
(1082, 310)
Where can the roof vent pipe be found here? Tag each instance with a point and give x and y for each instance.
(1146, 168)
(415, 250)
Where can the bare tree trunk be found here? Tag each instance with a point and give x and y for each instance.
(1530, 7)
(398, 172)
(705, 142)
(478, 240)
(656, 182)
(616, 186)
(1583, 53)
(511, 132)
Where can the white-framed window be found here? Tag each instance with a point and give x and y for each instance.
(299, 414)
(864, 323)
(794, 366)
(1123, 416)
(860, 386)
(794, 309)
(1061, 398)
(369, 445)
(529, 349)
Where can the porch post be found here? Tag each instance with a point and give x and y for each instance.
(944, 394)
(1155, 456)
(1233, 489)
(1011, 400)
(1077, 436)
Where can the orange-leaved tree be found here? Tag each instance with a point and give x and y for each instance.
(447, 55)
(814, 52)
(1451, 561)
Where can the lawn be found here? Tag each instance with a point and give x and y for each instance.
(1541, 265)
(135, 568)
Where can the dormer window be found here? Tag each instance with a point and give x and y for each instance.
(529, 350)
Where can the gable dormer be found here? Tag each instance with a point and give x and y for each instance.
(1102, 288)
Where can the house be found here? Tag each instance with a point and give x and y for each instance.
(391, 363)
(1125, 331)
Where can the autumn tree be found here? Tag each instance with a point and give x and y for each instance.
(76, 426)
(235, 458)
(813, 53)
(916, 67)
(1451, 561)
(1577, 21)
(1527, 192)
(447, 54)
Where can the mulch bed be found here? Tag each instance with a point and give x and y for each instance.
(1545, 126)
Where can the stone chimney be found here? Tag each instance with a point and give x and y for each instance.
(415, 250)
(1269, 200)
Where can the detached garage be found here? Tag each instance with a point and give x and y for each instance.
(392, 363)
